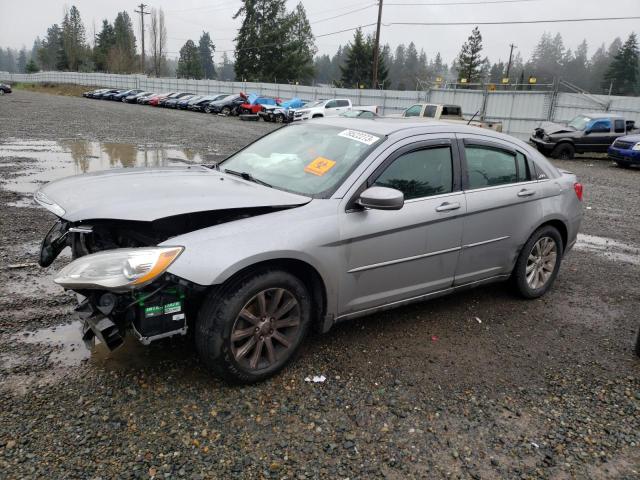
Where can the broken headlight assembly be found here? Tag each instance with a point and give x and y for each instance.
(118, 270)
(47, 203)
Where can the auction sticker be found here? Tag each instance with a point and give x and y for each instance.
(362, 137)
(319, 166)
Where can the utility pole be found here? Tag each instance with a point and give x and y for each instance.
(142, 14)
(510, 60)
(376, 50)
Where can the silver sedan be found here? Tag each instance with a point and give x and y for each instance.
(313, 224)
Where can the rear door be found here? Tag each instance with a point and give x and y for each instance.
(503, 202)
(396, 255)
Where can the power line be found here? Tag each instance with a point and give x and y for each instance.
(343, 14)
(514, 22)
(436, 4)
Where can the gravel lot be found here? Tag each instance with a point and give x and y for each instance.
(478, 385)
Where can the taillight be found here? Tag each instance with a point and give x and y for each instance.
(578, 188)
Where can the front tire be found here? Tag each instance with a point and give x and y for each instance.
(564, 151)
(226, 111)
(253, 327)
(538, 263)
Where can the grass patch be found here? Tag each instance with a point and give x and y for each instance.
(53, 88)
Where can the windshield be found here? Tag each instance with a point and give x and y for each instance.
(580, 122)
(306, 159)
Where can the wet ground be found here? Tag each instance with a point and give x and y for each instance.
(480, 385)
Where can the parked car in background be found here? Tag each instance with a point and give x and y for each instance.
(201, 104)
(134, 98)
(375, 214)
(625, 151)
(328, 108)
(173, 102)
(156, 99)
(111, 94)
(447, 113)
(183, 103)
(590, 133)
(254, 103)
(357, 113)
(93, 93)
(282, 113)
(226, 106)
(122, 95)
(146, 100)
(104, 95)
(168, 100)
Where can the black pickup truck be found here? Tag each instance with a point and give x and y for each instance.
(590, 133)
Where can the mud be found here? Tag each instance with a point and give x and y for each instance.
(536, 389)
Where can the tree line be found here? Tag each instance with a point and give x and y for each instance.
(277, 45)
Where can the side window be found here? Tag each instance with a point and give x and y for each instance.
(413, 111)
(488, 167)
(430, 111)
(421, 173)
(524, 170)
(451, 110)
(331, 104)
(620, 126)
(601, 126)
(343, 103)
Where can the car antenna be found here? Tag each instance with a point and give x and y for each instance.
(474, 116)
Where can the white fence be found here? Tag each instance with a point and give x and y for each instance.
(520, 111)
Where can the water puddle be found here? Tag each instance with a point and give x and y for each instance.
(68, 349)
(609, 248)
(53, 160)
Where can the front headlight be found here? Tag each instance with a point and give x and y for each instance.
(636, 146)
(121, 269)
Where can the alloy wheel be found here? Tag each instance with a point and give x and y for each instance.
(541, 262)
(266, 329)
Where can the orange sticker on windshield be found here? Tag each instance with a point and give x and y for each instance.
(320, 166)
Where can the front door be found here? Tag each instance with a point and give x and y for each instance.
(599, 137)
(392, 256)
(503, 202)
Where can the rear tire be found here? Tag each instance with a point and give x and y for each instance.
(538, 263)
(226, 111)
(244, 318)
(564, 151)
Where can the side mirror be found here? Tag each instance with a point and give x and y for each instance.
(587, 131)
(381, 198)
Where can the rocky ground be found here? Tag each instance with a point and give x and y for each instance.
(478, 385)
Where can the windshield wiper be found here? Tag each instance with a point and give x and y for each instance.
(247, 176)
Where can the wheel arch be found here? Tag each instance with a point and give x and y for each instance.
(304, 271)
(317, 115)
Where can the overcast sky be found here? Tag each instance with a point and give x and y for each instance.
(22, 20)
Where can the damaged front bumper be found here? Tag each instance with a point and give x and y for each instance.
(149, 316)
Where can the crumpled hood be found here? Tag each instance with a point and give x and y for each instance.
(551, 128)
(147, 194)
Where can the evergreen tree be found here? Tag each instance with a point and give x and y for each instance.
(397, 72)
(31, 67)
(206, 49)
(322, 69)
(189, 63)
(300, 47)
(105, 41)
(226, 70)
(73, 39)
(623, 71)
(355, 72)
(576, 66)
(51, 54)
(469, 59)
(21, 64)
(122, 55)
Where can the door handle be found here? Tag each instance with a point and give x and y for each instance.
(446, 207)
(526, 193)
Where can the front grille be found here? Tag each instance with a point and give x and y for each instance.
(623, 145)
